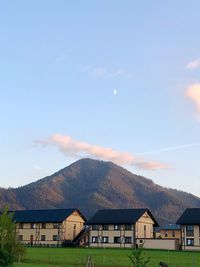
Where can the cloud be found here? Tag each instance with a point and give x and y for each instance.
(72, 148)
(102, 72)
(171, 148)
(193, 93)
(151, 165)
(99, 72)
(193, 64)
(116, 73)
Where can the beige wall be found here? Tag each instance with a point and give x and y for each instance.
(196, 238)
(68, 229)
(109, 245)
(111, 233)
(73, 224)
(26, 232)
(168, 244)
(177, 234)
(145, 222)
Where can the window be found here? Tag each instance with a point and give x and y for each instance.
(117, 227)
(173, 233)
(127, 240)
(145, 228)
(189, 227)
(105, 239)
(117, 239)
(95, 239)
(74, 231)
(190, 241)
(21, 226)
(189, 230)
(20, 238)
(55, 238)
(43, 225)
(95, 227)
(105, 227)
(32, 226)
(55, 225)
(43, 237)
(128, 227)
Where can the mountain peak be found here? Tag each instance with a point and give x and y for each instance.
(91, 184)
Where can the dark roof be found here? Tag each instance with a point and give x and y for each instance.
(190, 216)
(50, 215)
(119, 216)
(170, 227)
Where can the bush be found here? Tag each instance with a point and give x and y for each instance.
(138, 258)
(10, 248)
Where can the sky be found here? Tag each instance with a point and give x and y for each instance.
(111, 80)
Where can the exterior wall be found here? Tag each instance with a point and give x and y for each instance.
(36, 234)
(66, 230)
(73, 224)
(145, 222)
(111, 233)
(142, 229)
(168, 234)
(110, 245)
(194, 235)
(168, 244)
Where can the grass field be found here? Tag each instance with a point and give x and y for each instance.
(76, 257)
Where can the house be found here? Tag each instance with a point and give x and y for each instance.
(190, 229)
(170, 231)
(120, 227)
(50, 227)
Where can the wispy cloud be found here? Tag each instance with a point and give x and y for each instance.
(193, 64)
(193, 93)
(73, 148)
(171, 148)
(103, 72)
(116, 73)
(99, 72)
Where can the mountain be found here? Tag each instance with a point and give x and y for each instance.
(92, 184)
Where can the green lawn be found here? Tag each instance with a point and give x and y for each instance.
(76, 257)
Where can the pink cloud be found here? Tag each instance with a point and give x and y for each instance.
(72, 148)
(193, 93)
(151, 165)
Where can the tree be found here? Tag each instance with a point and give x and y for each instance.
(10, 248)
(138, 258)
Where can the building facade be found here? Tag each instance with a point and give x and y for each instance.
(48, 227)
(190, 229)
(171, 231)
(120, 227)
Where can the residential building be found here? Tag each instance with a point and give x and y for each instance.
(120, 227)
(52, 227)
(170, 231)
(190, 229)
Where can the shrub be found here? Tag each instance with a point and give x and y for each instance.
(138, 257)
(10, 248)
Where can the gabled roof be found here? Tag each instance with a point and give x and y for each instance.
(119, 216)
(50, 215)
(190, 216)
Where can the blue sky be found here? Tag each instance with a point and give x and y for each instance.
(79, 77)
